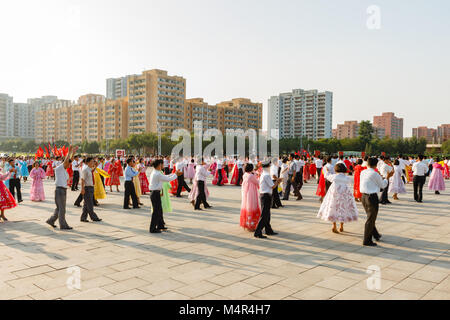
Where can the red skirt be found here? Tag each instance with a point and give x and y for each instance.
(114, 180)
(321, 188)
(216, 177)
(235, 175)
(144, 183)
(7, 201)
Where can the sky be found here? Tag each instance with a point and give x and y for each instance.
(393, 59)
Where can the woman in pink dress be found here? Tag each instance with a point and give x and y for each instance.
(7, 200)
(189, 171)
(437, 182)
(250, 206)
(143, 177)
(37, 186)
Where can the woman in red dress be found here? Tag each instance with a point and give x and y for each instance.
(357, 171)
(7, 201)
(115, 171)
(50, 172)
(143, 177)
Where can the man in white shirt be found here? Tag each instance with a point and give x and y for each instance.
(370, 184)
(157, 179)
(76, 173)
(291, 179)
(385, 169)
(276, 202)
(240, 167)
(420, 170)
(319, 165)
(200, 177)
(299, 176)
(179, 167)
(87, 190)
(266, 186)
(219, 172)
(61, 177)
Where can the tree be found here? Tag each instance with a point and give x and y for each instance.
(446, 147)
(365, 133)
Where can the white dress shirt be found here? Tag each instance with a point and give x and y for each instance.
(273, 171)
(75, 165)
(240, 164)
(420, 168)
(157, 179)
(265, 182)
(61, 176)
(371, 182)
(201, 173)
(219, 164)
(319, 163)
(385, 169)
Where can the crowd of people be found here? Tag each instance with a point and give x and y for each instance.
(265, 184)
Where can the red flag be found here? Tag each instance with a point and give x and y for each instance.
(65, 151)
(317, 153)
(46, 152)
(363, 154)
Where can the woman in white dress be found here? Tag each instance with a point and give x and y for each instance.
(338, 204)
(396, 184)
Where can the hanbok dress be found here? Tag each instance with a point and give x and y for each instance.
(143, 179)
(114, 171)
(396, 184)
(234, 175)
(357, 179)
(7, 200)
(250, 206)
(174, 185)
(339, 203)
(24, 169)
(50, 172)
(194, 191)
(189, 171)
(70, 173)
(446, 170)
(137, 184)
(37, 186)
(437, 182)
(216, 177)
(165, 198)
(99, 190)
(312, 169)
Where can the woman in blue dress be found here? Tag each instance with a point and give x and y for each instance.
(24, 169)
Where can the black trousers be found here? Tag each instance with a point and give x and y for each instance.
(166, 170)
(181, 184)
(76, 179)
(130, 192)
(371, 205)
(240, 175)
(288, 188)
(276, 201)
(157, 221)
(201, 198)
(299, 181)
(418, 183)
(14, 184)
(226, 170)
(384, 195)
(220, 177)
(319, 172)
(264, 221)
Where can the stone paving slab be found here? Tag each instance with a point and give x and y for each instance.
(206, 255)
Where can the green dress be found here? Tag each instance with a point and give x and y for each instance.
(165, 199)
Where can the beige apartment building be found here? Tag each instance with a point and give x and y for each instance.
(92, 118)
(439, 135)
(238, 113)
(350, 130)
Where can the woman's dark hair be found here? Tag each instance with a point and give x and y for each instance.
(249, 167)
(396, 162)
(285, 160)
(329, 159)
(359, 161)
(157, 162)
(437, 159)
(340, 168)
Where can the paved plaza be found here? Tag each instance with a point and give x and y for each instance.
(206, 255)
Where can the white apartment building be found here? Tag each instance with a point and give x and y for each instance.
(301, 113)
(6, 116)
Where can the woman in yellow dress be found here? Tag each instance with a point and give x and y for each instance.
(99, 189)
(137, 185)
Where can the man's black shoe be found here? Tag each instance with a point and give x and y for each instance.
(260, 236)
(370, 244)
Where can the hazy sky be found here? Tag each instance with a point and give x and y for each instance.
(230, 48)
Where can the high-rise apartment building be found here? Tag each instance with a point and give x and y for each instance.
(392, 125)
(6, 115)
(433, 136)
(301, 113)
(350, 129)
(116, 88)
(238, 113)
(92, 118)
(155, 98)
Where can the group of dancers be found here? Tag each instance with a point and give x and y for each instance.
(265, 184)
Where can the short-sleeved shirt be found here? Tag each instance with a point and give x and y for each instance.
(86, 175)
(61, 176)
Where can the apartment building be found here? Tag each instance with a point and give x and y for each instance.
(433, 136)
(392, 125)
(239, 113)
(6, 115)
(350, 129)
(301, 113)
